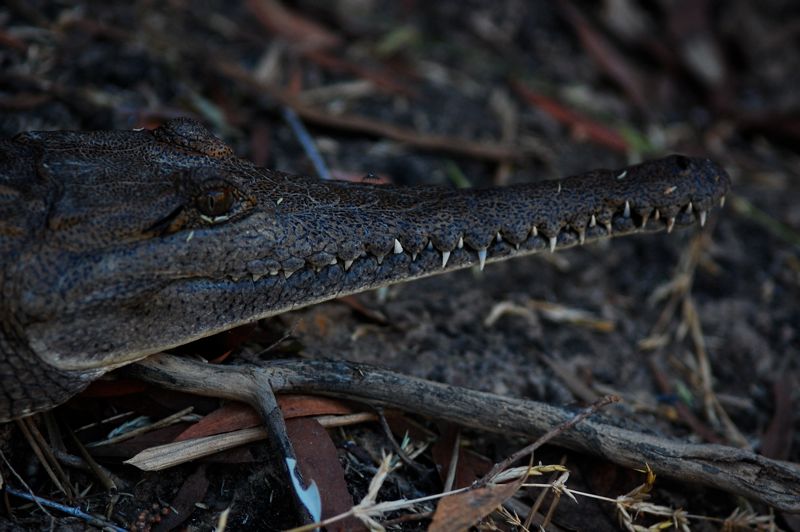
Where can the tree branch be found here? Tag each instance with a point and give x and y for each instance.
(729, 469)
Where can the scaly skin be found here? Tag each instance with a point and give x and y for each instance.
(116, 245)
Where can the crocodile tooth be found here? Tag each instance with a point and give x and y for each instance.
(608, 227)
(274, 272)
(689, 208)
(627, 212)
(482, 257)
(287, 273)
(379, 258)
(255, 277)
(445, 258)
(535, 231)
(582, 235)
(670, 224)
(347, 264)
(553, 241)
(593, 221)
(215, 219)
(499, 237)
(398, 247)
(413, 257)
(657, 215)
(460, 242)
(516, 246)
(429, 246)
(645, 217)
(622, 175)
(703, 218)
(722, 201)
(333, 262)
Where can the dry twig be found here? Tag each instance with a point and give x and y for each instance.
(733, 470)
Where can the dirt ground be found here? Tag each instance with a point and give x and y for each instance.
(697, 331)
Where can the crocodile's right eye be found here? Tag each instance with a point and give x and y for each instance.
(215, 202)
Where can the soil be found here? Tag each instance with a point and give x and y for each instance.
(623, 81)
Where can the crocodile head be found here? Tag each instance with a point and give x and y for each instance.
(121, 244)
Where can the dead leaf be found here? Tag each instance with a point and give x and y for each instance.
(235, 416)
(319, 462)
(463, 510)
(311, 405)
(192, 491)
(228, 418)
(470, 466)
(581, 126)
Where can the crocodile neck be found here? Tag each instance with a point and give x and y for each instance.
(120, 244)
(26, 385)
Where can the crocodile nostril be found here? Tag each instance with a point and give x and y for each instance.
(682, 162)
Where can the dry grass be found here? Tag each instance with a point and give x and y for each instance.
(634, 510)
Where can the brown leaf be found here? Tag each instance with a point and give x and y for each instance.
(470, 467)
(192, 491)
(581, 126)
(297, 405)
(463, 510)
(319, 461)
(235, 416)
(230, 417)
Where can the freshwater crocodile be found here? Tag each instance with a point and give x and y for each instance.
(119, 244)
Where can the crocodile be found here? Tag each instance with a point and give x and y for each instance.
(120, 244)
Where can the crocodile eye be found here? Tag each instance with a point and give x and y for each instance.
(215, 202)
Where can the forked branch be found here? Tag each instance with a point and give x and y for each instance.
(729, 469)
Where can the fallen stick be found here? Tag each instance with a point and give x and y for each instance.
(729, 469)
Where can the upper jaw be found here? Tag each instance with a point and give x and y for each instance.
(662, 199)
